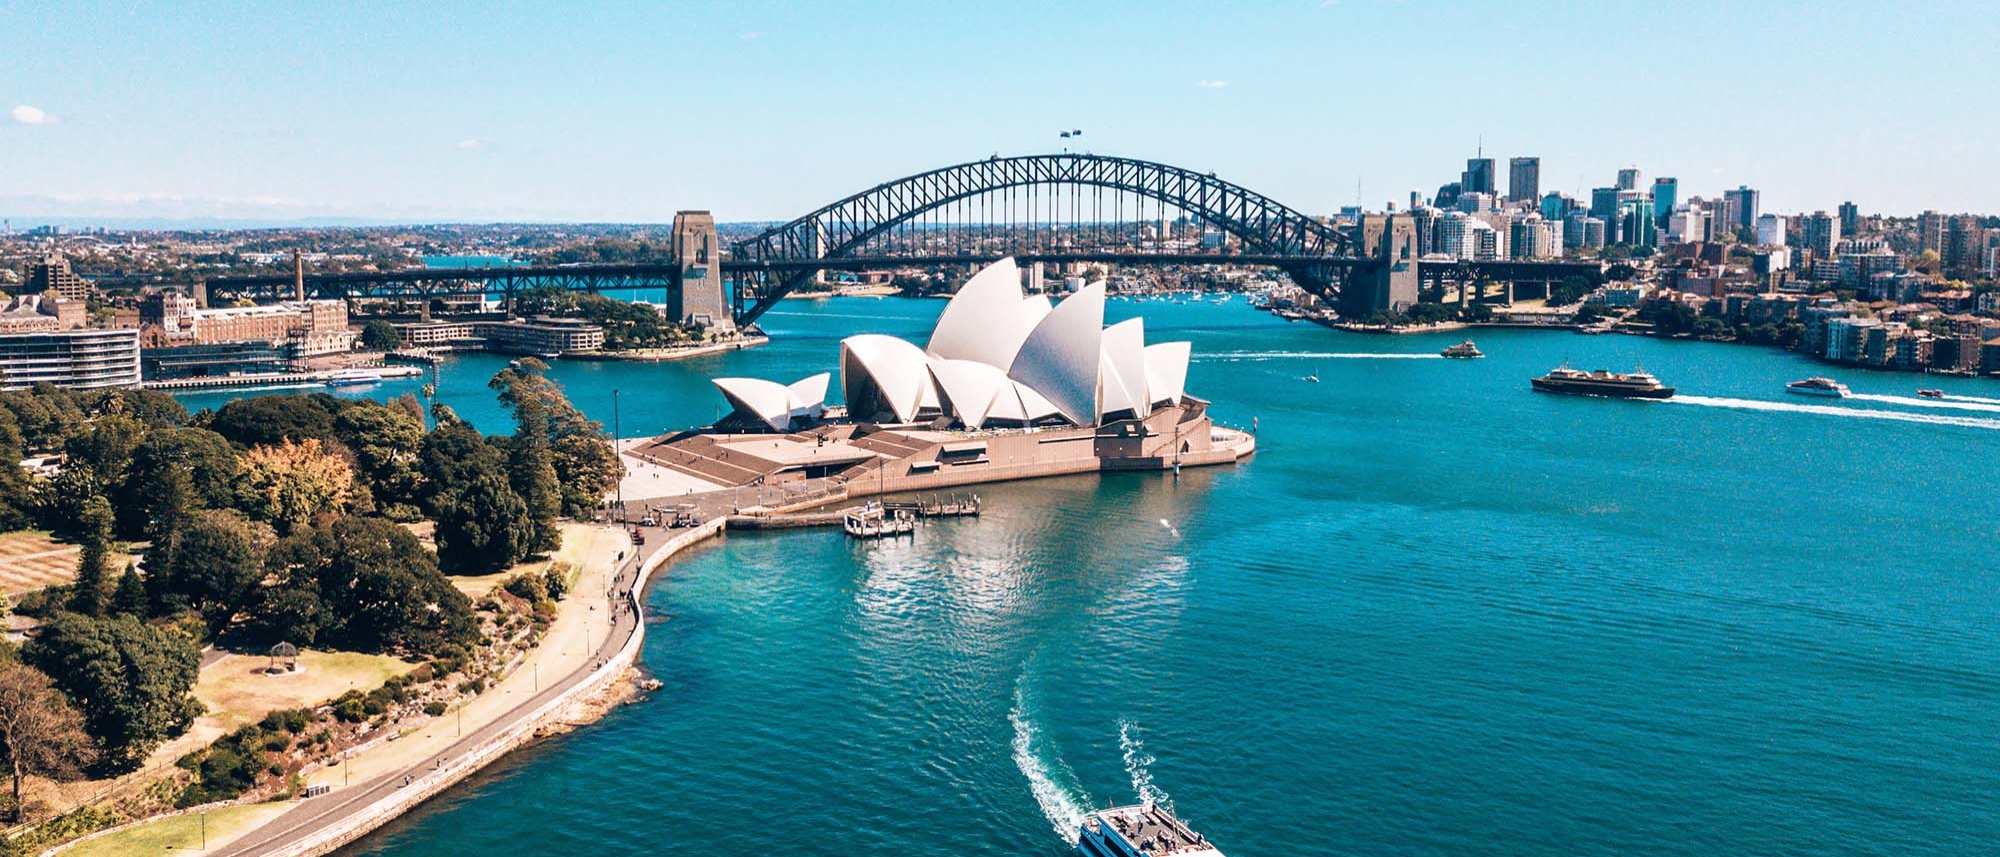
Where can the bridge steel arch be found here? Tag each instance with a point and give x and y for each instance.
(1265, 226)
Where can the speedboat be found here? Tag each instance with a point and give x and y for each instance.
(1818, 387)
(1931, 394)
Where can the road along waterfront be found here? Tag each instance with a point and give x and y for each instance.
(1437, 613)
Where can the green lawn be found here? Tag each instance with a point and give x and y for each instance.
(180, 834)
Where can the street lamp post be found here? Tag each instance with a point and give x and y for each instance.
(620, 455)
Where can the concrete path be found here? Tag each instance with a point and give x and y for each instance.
(313, 815)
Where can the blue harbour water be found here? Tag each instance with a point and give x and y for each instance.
(1436, 614)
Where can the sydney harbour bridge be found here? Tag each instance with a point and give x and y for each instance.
(1040, 208)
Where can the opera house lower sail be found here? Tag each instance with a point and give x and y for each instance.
(1010, 385)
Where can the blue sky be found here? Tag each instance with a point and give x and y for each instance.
(766, 110)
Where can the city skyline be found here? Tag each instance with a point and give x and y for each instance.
(225, 112)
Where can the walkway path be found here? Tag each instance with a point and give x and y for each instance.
(523, 692)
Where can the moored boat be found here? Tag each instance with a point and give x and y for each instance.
(1639, 384)
(1818, 387)
(1145, 830)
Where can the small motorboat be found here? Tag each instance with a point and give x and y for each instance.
(1464, 351)
(1931, 394)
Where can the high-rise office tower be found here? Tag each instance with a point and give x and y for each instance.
(1628, 178)
(1524, 179)
(1745, 206)
(1850, 219)
(1478, 176)
(1666, 194)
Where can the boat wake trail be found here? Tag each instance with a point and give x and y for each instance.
(1137, 763)
(1978, 399)
(1988, 405)
(1049, 779)
(1232, 356)
(1836, 411)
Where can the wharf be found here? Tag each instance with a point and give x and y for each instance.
(278, 379)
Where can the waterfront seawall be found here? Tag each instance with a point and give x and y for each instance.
(524, 731)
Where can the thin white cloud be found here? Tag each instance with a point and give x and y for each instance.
(471, 144)
(753, 35)
(1328, 4)
(30, 115)
(1211, 84)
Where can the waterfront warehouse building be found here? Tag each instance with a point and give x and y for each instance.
(77, 359)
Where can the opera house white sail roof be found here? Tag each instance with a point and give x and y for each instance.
(996, 356)
(774, 403)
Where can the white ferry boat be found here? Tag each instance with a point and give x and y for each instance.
(1145, 830)
(1818, 387)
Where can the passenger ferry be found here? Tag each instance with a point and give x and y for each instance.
(1818, 387)
(1639, 384)
(1464, 351)
(360, 379)
(1145, 830)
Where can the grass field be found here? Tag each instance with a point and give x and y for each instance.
(181, 833)
(236, 691)
(32, 559)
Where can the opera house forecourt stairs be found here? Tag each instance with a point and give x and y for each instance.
(1010, 386)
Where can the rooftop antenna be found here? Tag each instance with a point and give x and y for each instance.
(1480, 152)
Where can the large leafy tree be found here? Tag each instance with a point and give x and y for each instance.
(174, 471)
(40, 734)
(379, 335)
(451, 455)
(578, 450)
(385, 441)
(130, 679)
(363, 584)
(217, 557)
(293, 482)
(272, 420)
(483, 526)
(14, 493)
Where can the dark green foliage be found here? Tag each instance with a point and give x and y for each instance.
(578, 450)
(361, 584)
(1569, 291)
(272, 420)
(385, 441)
(174, 471)
(379, 335)
(216, 559)
(129, 598)
(14, 495)
(451, 455)
(482, 526)
(230, 766)
(90, 591)
(130, 680)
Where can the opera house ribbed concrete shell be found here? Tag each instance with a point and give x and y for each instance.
(997, 357)
(1010, 386)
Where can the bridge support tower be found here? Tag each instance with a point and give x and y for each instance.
(701, 297)
(1389, 283)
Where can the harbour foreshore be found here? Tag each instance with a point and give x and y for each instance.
(320, 825)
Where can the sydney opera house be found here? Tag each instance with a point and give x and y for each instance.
(1010, 385)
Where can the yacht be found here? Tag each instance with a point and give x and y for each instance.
(1818, 387)
(1146, 830)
